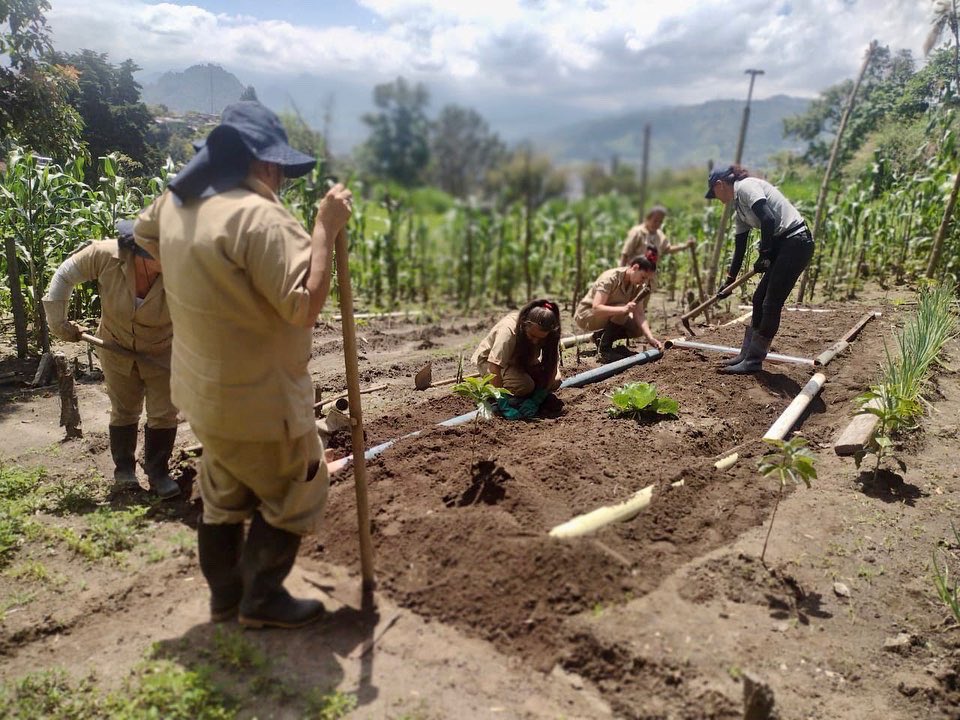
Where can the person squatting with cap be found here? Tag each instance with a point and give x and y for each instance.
(133, 317)
(245, 283)
(786, 247)
(522, 352)
(610, 308)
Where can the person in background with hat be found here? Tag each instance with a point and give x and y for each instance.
(135, 318)
(245, 283)
(522, 353)
(786, 247)
(611, 309)
(649, 240)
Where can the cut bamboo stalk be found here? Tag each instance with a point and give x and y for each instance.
(843, 343)
(603, 516)
(727, 350)
(743, 317)
(372, 315)
(857, 434)
(728, 462)
(451, 380)
(356, 410)
(792, 309)
(596, 519)
(575, 340)
(789, 417)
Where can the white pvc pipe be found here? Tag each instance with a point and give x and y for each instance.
(727, 350)
(795, 409)
(574, 340)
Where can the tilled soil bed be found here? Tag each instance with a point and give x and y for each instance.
(461, 515)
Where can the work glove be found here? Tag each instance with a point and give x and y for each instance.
(513, 408)
(762, 264)
(723, 292)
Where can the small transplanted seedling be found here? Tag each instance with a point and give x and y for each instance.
(640, 400)
(484, 394)
(947, 588)
(787, 460)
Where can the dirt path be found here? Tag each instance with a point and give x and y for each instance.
(482, 615)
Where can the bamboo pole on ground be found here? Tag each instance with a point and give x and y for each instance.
(789, 417)
(603, 516)
(356, 412)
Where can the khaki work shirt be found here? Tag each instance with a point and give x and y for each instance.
(639, 238)
(614, 283)
(236, 266)
(146, 329)
(500, 344)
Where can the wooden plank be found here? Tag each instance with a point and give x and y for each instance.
(858, 433)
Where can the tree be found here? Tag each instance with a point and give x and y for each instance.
(301, 136)
(115, 120)
(34, 111)
(249, 93)
(398, 147)
(945, 16)
(462, 150)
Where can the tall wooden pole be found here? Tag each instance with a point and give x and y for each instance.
(828, 173)
(725, 218)
(356, 412)
(643, 172)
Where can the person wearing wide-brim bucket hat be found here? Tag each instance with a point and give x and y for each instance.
(786, 247)
(245, 283)
(137, 333)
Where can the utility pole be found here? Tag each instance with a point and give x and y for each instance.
(643, 171)
(725, 218)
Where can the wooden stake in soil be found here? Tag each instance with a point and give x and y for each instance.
(69, 405)
(356, 413)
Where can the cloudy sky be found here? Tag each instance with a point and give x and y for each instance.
(523, 63)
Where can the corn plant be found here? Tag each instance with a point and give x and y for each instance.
(640, 400)
(788, 460)
(948, 590)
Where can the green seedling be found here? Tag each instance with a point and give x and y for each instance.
(947, 589)
(484, 394)
(788, 460)
(639, 400)
(331, 705)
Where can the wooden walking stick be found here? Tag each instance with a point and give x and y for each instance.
(356, 414)
(696, 272)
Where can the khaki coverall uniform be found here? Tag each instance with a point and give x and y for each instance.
(638, 239)
(143, 327)
(499, 347)
(236, 265)
(619, 291)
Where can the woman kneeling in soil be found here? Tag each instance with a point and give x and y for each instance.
(611, 310)
(522, 352)
(786, 247)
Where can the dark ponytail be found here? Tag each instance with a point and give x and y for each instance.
(545, 314)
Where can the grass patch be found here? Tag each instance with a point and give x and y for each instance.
(108, 533)
(19, 492)
(329, 705)
(233, 651)
(157, 689)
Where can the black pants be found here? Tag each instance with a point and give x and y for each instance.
(790, 257)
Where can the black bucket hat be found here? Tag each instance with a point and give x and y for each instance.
(724, 173)
(126, 240)
(247, 131)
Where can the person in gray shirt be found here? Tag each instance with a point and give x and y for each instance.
(786, 247)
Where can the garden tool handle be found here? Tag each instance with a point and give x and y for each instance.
(110, 347)
(716, 298)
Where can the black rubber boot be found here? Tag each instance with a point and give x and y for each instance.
(611, 334)
(268, 557)
(157, 448)
(753, 360)
(747, 337)
(123, 449)
(219, 548)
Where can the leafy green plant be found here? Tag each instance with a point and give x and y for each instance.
(481, 392)
(788, 460)
(330, 705)
(639, 400)
(108, 533)
(234, 651)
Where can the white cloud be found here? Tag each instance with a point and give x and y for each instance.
(601, 55)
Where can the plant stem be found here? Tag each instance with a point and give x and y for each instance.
(770, 529)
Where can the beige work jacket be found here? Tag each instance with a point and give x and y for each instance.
(614, 283)
(236, 266)
(147, 329)
(639, 238)
(500, 344)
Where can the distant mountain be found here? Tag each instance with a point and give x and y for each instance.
(682, 136)
(200, 88)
